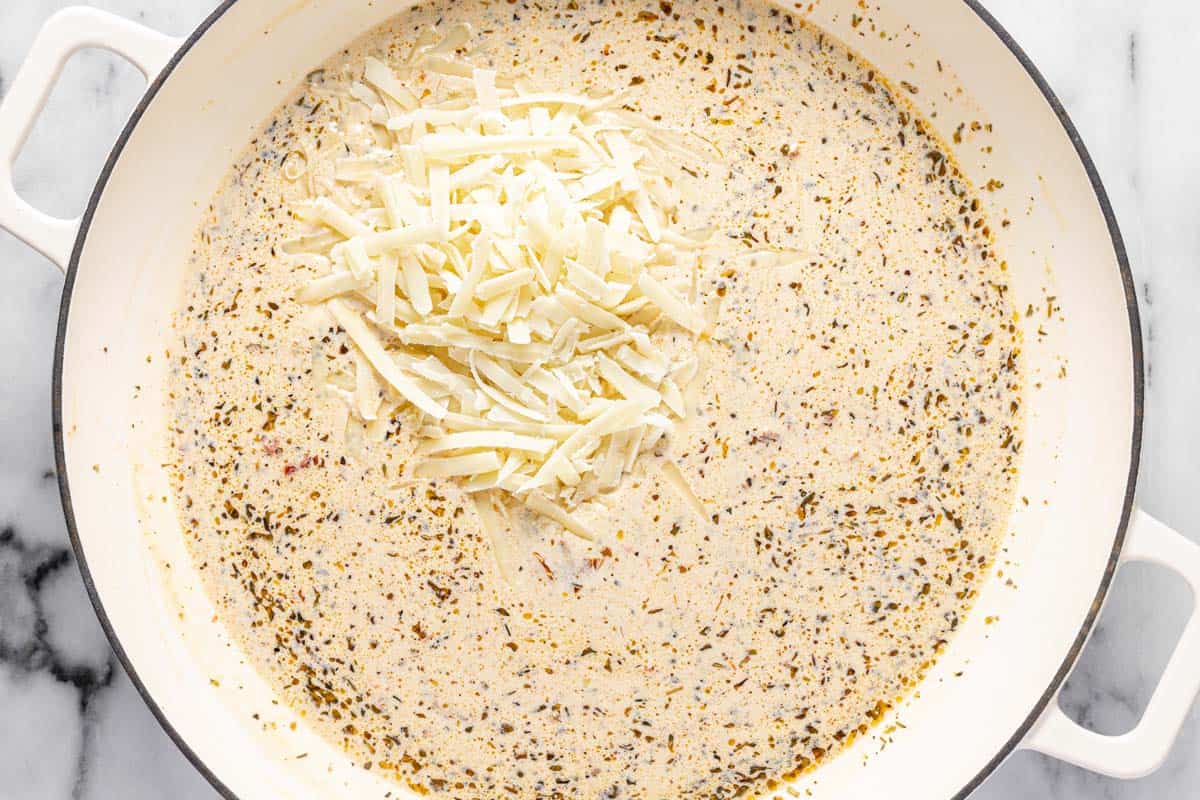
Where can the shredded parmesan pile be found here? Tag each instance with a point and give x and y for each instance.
(508, 264)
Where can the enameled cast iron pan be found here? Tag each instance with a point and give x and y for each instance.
(125, 261)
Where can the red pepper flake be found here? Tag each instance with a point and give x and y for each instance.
(292, 469)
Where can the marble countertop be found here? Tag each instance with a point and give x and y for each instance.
(71, 724)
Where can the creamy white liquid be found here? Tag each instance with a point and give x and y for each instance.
(854, 441)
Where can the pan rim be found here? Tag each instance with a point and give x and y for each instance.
(1010, 745)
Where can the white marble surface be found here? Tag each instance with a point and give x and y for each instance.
(71, 724)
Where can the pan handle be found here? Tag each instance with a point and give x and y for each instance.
(63, 34)
(1143, 749)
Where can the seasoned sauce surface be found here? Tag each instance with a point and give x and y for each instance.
(853, 444)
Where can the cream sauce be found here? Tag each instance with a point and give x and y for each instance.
(854, 442)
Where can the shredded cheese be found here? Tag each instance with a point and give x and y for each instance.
(497, 266)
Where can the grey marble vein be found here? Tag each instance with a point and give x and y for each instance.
(71, 724)
(39, 638)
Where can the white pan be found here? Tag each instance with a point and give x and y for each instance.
(125, 261)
